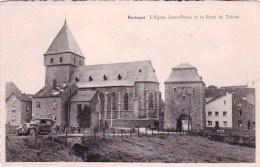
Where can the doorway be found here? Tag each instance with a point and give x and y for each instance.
(183, 123)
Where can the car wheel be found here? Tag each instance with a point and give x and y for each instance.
(18, 133)
(32, 132)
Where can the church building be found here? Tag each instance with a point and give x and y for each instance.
(115, 95)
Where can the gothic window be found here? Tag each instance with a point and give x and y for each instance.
(113, 101)
(51, 60)
(151, 100)
(126, 101)
(61, 59)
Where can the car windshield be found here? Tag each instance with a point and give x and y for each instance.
(35, 121)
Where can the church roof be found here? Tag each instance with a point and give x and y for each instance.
(64, 42)
(83, 96)
(184, 73)
(119, 74)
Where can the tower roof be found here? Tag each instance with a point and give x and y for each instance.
(184, 73)
(64, 42)
(184, 66)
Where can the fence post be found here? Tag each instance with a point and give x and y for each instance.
(163, 131)
(122, 132)
(172, 131)
(145, 131)
(104, 132)
(66, 132)
(158, 131)
(114, 131)
(168, 132)
(36, 136)
(152, 131)
(138, 131)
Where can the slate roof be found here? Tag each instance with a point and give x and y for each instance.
(21, 96)
(64, 42)
(49, 91)
(184, 73)
(130, 73)
(241, 92)
(10, 88)
(83, 96)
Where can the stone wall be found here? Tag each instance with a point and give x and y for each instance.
(247, 115)
(177, 102)
(131, 123)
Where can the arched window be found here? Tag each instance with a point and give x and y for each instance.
(114, 101)
(150, 100)
(126, 101)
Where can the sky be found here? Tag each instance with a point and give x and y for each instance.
(225, 52)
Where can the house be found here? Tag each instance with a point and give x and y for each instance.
(184, 99)
(18, 106)
(219, 112)
(52, 102)
(115, 95)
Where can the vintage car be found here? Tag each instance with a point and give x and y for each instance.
(40, 126)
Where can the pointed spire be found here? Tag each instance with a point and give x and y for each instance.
(65, 18)
(64, 42)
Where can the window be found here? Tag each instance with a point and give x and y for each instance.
(151, 100)
(174, 90)
(51, 60)
(74, 61)
(239, 112)
(54, 105)
(239, 104)
(80, 63)
(113, 101)
(119, 76)
(216, 113)
(224, 102)
(253, 123)
(183, 109)
(209, 113)
(61, 59)
(209, 123)
(105, 77)
(193, 91)
(183, 97)
(239, 122)
(54, 117)
(14, 99)
(37, 117)
(13, 119)
(224, 113)
(90, 78)
(126, 101)
(43, 121)
(38, 105)
(13, 108)
(27, 109)
(225, 123)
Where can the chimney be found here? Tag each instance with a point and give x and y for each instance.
(54, 84)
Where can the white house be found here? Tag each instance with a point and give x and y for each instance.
(219, 112)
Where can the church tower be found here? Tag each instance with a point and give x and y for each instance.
(62, 57)
(184, 99)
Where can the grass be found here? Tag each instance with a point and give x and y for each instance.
(162, 148)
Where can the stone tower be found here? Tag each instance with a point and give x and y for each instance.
(184, 99)
(62, 57)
